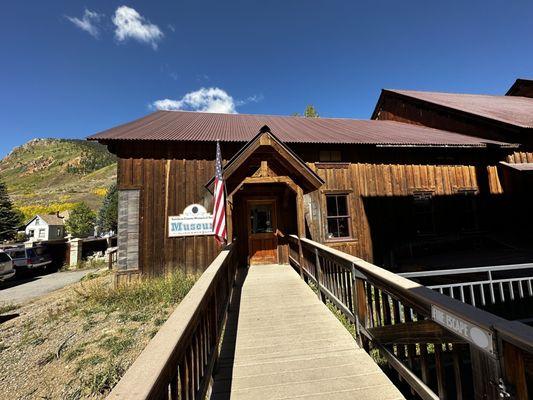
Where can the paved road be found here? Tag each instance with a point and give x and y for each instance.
(37, 285)
(281, 342)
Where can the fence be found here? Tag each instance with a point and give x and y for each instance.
(489, 290)
(178, 362)
(439, 347)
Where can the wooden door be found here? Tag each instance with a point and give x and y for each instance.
(262, 226)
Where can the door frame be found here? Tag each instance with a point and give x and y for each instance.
(264, 200)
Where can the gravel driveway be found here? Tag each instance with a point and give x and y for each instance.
(35, 286)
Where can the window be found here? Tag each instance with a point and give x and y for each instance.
(338, 217)
(423, 213)
(261, 218)
(329, 155)
(466, 209)
(59, 232)
(4, 257)
(18, 254)
(42, 234)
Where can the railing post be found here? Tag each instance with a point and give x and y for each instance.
(319, 276)
(300, 258)
(355, 304)
(486, 376)
(360, 311)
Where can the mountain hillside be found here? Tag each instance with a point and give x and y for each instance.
(48, 175)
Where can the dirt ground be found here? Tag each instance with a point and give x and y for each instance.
(67, 345)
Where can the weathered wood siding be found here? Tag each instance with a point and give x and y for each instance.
(362, 180)
(167, 187)
(520, 157)
(168, 183)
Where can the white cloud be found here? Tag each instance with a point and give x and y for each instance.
(256, 98)
(87, 22)
(212, 100)
(130, 24)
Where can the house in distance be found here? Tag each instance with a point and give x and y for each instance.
(45, 227)
(421, 176)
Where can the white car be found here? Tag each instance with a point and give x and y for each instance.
(6, 267)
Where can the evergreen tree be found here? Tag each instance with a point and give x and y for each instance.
(310, 112)
(108, 214)
(9, 218)
(81, 221)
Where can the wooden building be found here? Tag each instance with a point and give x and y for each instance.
(381, 190)
(506, 117)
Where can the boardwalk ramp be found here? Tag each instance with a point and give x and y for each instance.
(282, 342)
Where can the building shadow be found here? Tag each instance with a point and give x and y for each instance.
(8, 317)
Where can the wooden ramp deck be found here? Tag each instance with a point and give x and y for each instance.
(281, 342)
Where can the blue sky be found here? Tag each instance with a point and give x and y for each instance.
(72, 68)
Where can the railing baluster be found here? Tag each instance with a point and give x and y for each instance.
(441, 373)
(482, 288)
(502, 295)
(472, 296)
(457, 366)
(318, 276)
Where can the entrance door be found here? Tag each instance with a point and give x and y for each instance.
(262, 225)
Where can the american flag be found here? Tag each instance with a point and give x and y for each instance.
(219, 211)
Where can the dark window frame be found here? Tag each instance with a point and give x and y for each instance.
(419, 198)
(328, 156)
(347, 216)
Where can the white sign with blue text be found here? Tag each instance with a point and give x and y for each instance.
(195, 221)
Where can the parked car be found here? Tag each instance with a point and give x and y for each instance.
(6, 267)
(29, 258)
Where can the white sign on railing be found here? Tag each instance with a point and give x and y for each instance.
(195, 221)
(480, 337)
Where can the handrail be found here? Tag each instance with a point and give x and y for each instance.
(465, 271)
(414, 327)
(178, 362)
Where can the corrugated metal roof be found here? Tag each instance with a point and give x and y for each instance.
(514, 110)
(198, 126)
(519, 166)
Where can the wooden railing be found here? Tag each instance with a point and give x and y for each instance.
(178, 362)
(112, 258)
(439, 347)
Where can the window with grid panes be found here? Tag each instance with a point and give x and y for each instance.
(338, 216)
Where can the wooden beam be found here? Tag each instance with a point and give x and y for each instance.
(412, 333)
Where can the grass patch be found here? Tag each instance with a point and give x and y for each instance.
(115, 345)
(136, 298)
(101, 382)
(90, 361)
(5, 308)
(74, 353)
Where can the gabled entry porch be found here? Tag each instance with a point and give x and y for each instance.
(265, 184)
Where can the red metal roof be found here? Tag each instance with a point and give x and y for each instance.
(197, 126)
(519, 166)
(514, 110)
